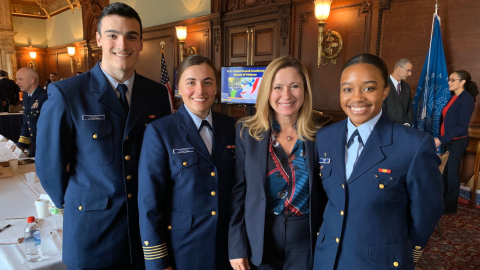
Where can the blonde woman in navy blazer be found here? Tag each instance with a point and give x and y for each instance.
(184, 177)
(453, 137)
(384, 186)
(270, 230)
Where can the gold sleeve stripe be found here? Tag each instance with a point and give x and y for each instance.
(164, 244)
(24, 140)
(154, 251)
(158, 257)
(155, 254)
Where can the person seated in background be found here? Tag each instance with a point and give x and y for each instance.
(382, 179)
(453, 137)
(277, 199)
(33, 98)
(9, 92)
(53, 76)
(185, 173)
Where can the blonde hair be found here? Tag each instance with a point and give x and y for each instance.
(262, 120)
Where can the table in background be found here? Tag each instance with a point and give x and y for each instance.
(11, 125)
(17, 200)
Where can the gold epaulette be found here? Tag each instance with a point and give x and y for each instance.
(24, 140)
(154, 252)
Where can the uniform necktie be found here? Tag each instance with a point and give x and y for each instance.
(122, 88)
(205, 123)
(354, 134)
(360, 144)
(399, 90)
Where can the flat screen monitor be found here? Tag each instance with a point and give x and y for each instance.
(240, 84)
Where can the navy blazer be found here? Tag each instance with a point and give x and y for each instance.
(84, 127)
(458, 117)
(399, 108)
(183, 193)
(384, 215)
(248, 199)
(31, 112)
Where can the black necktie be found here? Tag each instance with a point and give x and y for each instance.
(122, 88)
(354, 134)
(205, 123)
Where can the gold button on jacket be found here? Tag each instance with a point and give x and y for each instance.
(337, 239)
(213, 193)
(129, 177)
(214, 213)
(184, 163)
(127, 157)
(129, 195)
(395, 264)
(95, 136)
(381, 186)
(80, 207)
(212, 174)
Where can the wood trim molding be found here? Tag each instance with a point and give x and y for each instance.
(249, 13)
(384, 5)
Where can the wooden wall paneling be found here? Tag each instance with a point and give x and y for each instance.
(401, 38)
(60, 61)
(353, 22)
(23, 57)
(149, 62)
(265, 43)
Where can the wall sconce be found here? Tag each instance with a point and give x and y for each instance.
(330, 44)
(182, 35)
(75, 61)
(32, 63)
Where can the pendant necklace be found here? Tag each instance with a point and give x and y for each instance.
(289, 137)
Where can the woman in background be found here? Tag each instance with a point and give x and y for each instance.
(185, 173)
(276, 202)
(453, 137)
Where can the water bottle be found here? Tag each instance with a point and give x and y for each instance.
(33, 242)
(56, 217)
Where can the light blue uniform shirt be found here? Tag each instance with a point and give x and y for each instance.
(205, 133)
(114, 83)
(353, 152)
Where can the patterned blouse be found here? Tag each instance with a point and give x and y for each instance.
(287, 178)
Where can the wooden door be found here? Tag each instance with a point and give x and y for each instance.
(264, 44)
(238, 42)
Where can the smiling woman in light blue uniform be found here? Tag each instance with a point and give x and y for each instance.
(186, 166)
(382, 180)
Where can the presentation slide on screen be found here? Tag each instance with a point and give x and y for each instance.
(240, 84)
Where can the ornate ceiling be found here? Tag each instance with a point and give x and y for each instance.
(43, 9)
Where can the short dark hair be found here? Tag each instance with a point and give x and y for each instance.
(3, 73)
(366, 58)
(196, 60)
(120, 9)
(53, 73)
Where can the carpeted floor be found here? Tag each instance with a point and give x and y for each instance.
(460, 247)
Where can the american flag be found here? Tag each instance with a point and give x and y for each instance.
(165, 80)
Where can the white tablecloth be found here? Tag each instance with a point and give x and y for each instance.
(17, 201)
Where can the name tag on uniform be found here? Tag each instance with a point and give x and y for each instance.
(93, 117)
(183, 151)
(324, 161)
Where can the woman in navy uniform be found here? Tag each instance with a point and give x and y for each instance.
(382, 180)
(186, 166)
(276, 201)
(453, 137)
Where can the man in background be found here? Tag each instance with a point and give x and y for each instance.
(33, 98)
(94, 123)
(53, 76)
(398, 104)
(9, 92)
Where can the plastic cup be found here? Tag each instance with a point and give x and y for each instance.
(13, 164)
(30, 178)
(42, 208)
